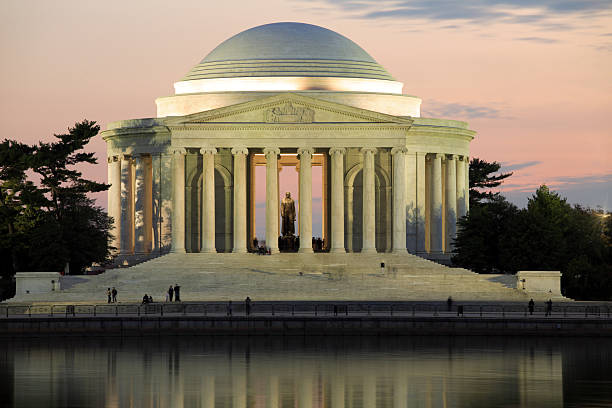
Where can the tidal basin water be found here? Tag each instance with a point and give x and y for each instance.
(308, 372)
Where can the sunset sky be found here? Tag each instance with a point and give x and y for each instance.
(533, 78)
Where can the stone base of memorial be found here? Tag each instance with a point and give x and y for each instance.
(37, 282)
(539, 282)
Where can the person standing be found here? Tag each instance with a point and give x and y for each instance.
(530, 306)
(549, 308)
(108, 294)
(177, 293)
(170, 293)
(114, 293)
(229, 308)
(247, 305)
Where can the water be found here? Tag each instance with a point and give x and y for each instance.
(331, 372)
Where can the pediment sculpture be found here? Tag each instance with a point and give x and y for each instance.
(287, 113)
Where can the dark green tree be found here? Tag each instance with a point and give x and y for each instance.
(480, 239)
(19, 202)
(53, 221)
(549, 234)
(483, 177)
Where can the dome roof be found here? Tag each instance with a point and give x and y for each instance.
(288, 50)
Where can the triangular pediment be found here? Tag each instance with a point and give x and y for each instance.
(288, 108)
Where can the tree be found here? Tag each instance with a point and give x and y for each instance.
(52, 222)
(19, 199)
(549, 234)
(483, 177)
(480, 236)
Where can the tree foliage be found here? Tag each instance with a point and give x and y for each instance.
(549, 234)
(483, 177)
(46, 217)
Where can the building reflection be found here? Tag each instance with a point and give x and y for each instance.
(302, 373)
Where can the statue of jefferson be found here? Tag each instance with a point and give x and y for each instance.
(288, 215)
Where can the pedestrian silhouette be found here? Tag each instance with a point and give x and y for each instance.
(549, 308)
(247, 305)
(530, 306)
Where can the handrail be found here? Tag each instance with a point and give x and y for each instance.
(317, 309)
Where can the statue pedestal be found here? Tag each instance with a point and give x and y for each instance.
(288, 243)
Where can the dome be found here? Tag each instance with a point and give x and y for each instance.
(284, 52)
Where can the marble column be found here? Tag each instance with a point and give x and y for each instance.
(240, 209)
(369, 201)
(337, 199)
(436, 228)
(207, 393)
(466, 166)
(305, 214)
(348, 193)
(240, 204)
(460, 186)
(337, 391)
(369, 390)
(272, 399)
(148, 204)
(114, 197)
(156, 203)
(178, 200)
(451, 202)
(139, 203)
(420, 213)
(272, 200)
(229, 217)
(399, 199)
(208, 199)
(127, 208)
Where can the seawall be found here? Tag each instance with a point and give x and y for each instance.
(305, 325)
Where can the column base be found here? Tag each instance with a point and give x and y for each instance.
(274, 251)
(208, 251)
(369, 251)
(399, 251)
(337, 251)
(239, 251)
(305, 251)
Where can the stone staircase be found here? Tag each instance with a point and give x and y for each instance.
(289, 276)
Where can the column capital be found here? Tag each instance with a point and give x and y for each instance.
(141, 155)
(178, 150)
(434, 156)
(124, 156)
(271, 151)
(110, 159)
(240, 150)
(305, 151)
(460, 157)
(337, 150)
(208, 150)
(366, 150)
(450, 156)
(398, 150)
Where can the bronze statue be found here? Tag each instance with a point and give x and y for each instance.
(288, 215)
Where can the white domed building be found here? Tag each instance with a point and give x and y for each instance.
(287, 94)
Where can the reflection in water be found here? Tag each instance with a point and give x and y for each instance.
(308, 372)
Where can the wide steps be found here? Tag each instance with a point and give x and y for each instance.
(206, 277)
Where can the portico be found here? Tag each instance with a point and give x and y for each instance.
(185, 182)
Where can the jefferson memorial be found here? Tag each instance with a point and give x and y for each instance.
(287, 94)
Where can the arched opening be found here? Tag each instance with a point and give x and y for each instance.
(354, 216)
(223, 209)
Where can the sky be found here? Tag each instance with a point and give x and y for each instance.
(533, 78)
